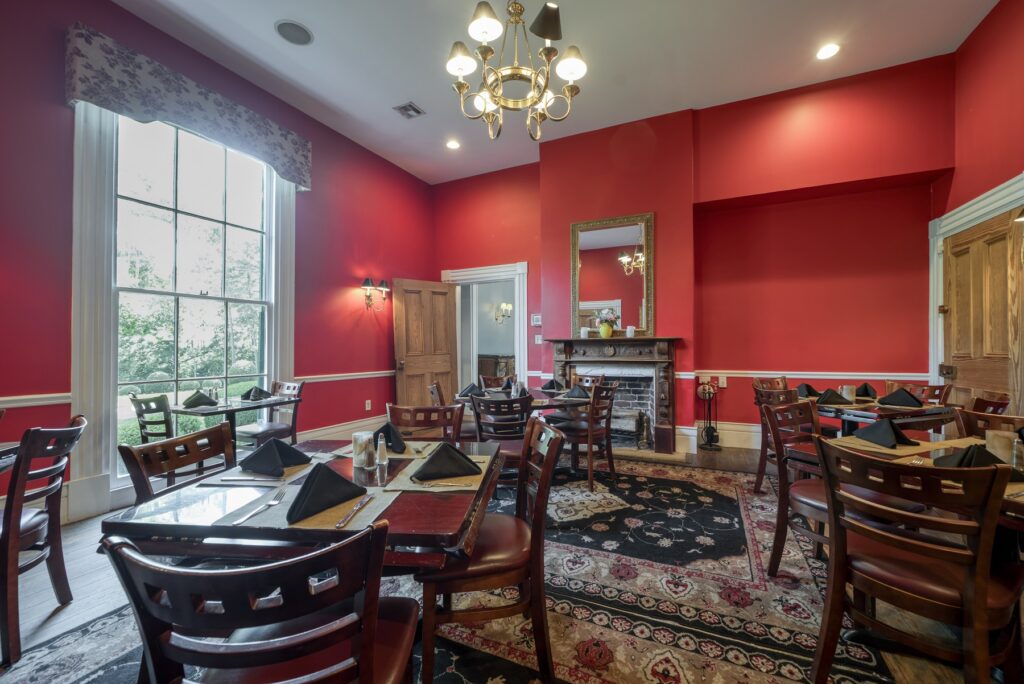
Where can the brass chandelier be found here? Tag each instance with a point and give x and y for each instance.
(632, 263)
(491, 100)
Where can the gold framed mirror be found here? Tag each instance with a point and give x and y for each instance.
(612, 270)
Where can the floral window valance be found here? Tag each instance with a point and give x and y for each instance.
(102, 71)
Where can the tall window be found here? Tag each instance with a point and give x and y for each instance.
(191, 286)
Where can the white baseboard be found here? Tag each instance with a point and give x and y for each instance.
(736, 435)
(342, 430)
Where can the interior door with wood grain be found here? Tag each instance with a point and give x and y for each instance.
(425, 342)
(982, 273)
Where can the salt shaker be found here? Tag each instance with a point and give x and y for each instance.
(382, 451)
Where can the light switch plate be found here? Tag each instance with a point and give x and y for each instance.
(535, 320)
(723, 381)
(369, 404)
(538, 339)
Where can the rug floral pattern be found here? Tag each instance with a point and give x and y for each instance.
(658, 576)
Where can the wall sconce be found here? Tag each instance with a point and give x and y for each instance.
(501, 312)
(369, 287)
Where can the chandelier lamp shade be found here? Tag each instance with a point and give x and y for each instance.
(508, 84)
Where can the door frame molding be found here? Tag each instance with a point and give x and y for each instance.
(517, 273)
(998, 200)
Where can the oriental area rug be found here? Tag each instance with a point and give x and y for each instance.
(658, 577)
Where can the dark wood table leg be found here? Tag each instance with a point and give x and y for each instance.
(231, 424)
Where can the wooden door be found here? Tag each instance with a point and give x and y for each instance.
(982, 272)
(425, 343)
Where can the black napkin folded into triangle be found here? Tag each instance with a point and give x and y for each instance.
(900, 397)
(322, 489)
(866, 390)
(831, 397)
(508, 384)
(884, 433)
(446, 461)
(256, 393)
(272, 458)
(197, 399)
(577, 392)
(805, 390)
(975, 456)
(551, 385)
(471, 390)
(392, 437)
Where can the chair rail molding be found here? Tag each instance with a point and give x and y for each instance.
(516, 272)
(335, 377)
(823, 375)
(999, 199)
(27, 400)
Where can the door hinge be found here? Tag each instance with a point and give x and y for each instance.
(943, 309)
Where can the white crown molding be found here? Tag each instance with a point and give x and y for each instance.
(334, 377)
(999, 199)
(26, 400)
(823, 375)
(484, 274)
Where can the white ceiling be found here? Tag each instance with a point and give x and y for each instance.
(610, 237)
(645, 57)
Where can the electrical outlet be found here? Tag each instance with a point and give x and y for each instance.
(369, 405)
(723, 381)
(703, 378)
(538, 339)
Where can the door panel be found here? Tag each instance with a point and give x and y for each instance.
(424, 315)
(982, 273)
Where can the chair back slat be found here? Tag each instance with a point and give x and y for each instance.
(785, 423)
(40, 465)
(977, 424)
(588, 382)
(997, 406)
(772, 383)
(972, 495)
(436, 394)
(154, 416)
(495, 381)
(179, 609)
(446, 418)
(541, 447)
(290, 412)
(501, 419)
(154, 459)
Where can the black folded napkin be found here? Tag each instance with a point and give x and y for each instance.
(256, 393)
(322, 489)
(831, 398)
(884, 433)
(1020, 433)
(392, 437)
(551, 385)
(900, 397)
(272, 457)
(866, 390)
(446, 461)
(197, 399)
(508, 384)
(975, 456)
(577, 392)
(805, 390)
(521, 391)
(471, 390)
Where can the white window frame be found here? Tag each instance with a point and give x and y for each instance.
(94, 487)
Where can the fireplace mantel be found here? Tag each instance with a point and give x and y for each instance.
(657, 352)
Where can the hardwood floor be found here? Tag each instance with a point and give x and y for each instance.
(97, 591)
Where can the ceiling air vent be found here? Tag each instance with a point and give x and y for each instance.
(410, 110)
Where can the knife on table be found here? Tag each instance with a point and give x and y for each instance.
(351, 514)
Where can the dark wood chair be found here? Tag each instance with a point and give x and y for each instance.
(428, 421)
(997, 405)
(591, 426)
(154, 416)
(495, 381)
(928, 394)
(177, 455)
(283, 420)
(467, 431)
(806, 495)
(942, 570)
(32, 535)
(317, 617)
(588, 382)
(769, 397)
(774, 383)
(975, 424)
(509, 552)
(504, 421)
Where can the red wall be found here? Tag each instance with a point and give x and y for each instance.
(883, 123)
(489, 220)
(602, 277)
(989, 104)
(356, 198)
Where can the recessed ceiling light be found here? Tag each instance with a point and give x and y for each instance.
(828, 51)
(453, 144)
(294, 32)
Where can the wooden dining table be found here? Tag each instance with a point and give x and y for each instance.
(232, 407)
(853, 416)
(427, 525)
